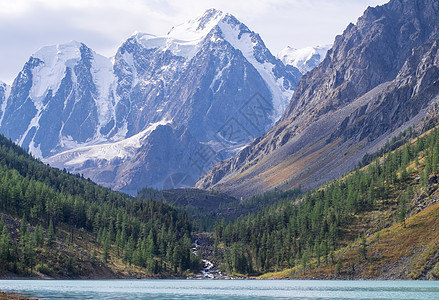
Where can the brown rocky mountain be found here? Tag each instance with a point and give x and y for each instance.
(380, 77)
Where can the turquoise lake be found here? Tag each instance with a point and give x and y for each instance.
(222, 289)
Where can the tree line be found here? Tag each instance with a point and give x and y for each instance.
(295, 231)
(145, 233)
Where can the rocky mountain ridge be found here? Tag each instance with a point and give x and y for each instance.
(380, 77)
(165, 110)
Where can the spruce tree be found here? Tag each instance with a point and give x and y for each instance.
(402, 208)
(50, 234)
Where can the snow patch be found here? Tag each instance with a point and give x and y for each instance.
(34, 123)
(36, 151)
(105, 81)
(300, 58)
(7, 92)
(218, 76)
(128, 58)
(121, 133)
(195, 30)
(48, 76)
(185, 39)
(182, 48)
(245, 43)
(122, 150)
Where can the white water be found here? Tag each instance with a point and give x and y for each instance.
(208, 270)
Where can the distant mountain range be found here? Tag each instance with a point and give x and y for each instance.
(380, 77)
(161, 113)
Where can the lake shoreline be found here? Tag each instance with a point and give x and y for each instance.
(217, 289)
(200, 277)
(13, 296)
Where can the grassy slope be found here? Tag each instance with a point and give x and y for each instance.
(392, 250)
(392, 253)
(76, 251)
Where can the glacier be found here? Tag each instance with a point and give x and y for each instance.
(304, 59)
(210, 85)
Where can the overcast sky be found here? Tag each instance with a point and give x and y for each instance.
(103, 25)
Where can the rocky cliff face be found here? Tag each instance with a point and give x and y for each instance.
(380, 77)
(167, 106)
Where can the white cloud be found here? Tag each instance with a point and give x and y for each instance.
(27, 25)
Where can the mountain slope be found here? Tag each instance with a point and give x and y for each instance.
(376, 222)
(73, 228)
(61, 98)
(4, 94)
(380, 77)
(396, 252)
(166, 105)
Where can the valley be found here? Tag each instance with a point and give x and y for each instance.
(199, 154)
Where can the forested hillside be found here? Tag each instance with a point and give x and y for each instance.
(314, 236)
(60, 225)
(206, 208)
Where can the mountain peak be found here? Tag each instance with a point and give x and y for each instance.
(359, 97)
(185, 39)
(198, 28)
(59, 52)
(209, 16)
(204, 75)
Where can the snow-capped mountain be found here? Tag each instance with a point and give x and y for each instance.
(4, 94)
(62, 98)
(165, 105)
(379, 78)
(304, 59)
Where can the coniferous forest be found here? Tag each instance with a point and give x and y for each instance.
(57, 208)
(45, 210)
(308, 231)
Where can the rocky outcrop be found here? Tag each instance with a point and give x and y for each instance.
(379, 78)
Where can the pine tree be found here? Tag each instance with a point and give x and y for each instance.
(5, 242)
(28, 251)
(39, 236)
(23, 226)
(305, 259)
(362, 250)
(50, 234)
(402, 208)
(339, 267)
(106, 248)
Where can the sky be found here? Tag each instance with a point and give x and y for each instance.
(103, 25)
